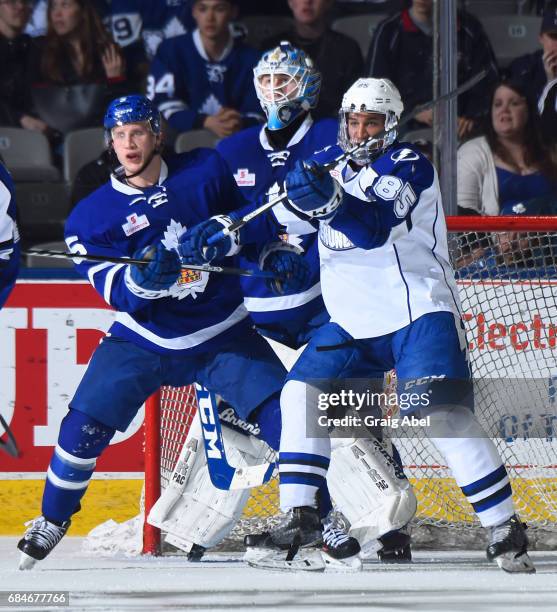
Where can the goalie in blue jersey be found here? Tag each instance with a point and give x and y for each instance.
(9, 236)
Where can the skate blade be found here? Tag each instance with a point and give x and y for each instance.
(26, 562)
(307, 561)
(348, 565)
(516, 564)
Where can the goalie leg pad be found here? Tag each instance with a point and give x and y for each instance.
(369, 488)
(202, 514)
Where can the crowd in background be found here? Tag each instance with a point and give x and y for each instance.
(64, 60)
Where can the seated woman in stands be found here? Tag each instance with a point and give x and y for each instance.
(506, 167)
(509, 163)
(75, 68)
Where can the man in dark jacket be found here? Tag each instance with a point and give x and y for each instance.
(402, 50)
(336, 56)
(14, 53)
(536, 70)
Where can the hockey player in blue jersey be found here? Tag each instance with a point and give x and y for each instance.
(173, 326)
(287, 85)
(9, 236)
(389, 287)
(203, 79)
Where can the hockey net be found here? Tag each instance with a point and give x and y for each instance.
(507, 280)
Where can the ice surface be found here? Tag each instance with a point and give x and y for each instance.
(436, 582)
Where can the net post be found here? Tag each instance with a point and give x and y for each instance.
(152, 428)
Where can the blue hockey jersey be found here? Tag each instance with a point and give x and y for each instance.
(141, 25)
(200, 310)
(186, 85)
(9, 236)
(260, 171)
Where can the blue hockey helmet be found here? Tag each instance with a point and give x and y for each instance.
(286, 83)
(134, 108)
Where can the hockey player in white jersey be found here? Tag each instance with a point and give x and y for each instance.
(390, 290)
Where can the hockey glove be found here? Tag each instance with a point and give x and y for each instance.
(193, 247)
(287, 263)
(161, 273)
(315, 195)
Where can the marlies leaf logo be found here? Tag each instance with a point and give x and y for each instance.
(191, 282)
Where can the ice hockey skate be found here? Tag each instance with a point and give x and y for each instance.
(340, 551)
(300, 536)
(508, 547)
(395, 547)
(39, 540)
(279, 548)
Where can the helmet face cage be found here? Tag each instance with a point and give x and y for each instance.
(291, 87)
(376, 146)
(131, 109)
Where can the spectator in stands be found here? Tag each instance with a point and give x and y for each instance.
(402, 50)
(336, 56)
(535, 70)
(204, 79)
(75, 68)
(14, 59)
(139, 26)
(508, 165)
(37, 24)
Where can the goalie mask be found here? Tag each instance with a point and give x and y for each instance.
(287, 84)
(370, 96)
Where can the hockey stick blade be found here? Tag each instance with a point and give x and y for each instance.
(9, 445)
(144, 262)
(337, 160)
(223, 475)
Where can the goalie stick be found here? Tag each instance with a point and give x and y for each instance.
(282, 197)
(9, 445)
(145, 262)
(223, 475)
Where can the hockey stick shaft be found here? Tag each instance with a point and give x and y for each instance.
(9, 445)
(143, 262)
(222, 474)
(345, 155)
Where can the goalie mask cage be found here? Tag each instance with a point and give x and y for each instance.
(507, 279)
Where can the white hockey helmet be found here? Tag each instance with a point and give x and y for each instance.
(370, 96)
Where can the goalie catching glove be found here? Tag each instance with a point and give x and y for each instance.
(193, 245)
(287, 263)
(161, 273)
(311, 193)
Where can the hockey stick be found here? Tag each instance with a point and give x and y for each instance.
(340, 158)
(222, 474)
(144, 262)
(9, 445)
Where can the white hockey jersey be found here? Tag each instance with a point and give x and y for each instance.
(384, 255)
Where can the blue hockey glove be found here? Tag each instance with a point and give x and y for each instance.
(292, 270)
(193, 247)
(315, 195)
(161, 273)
